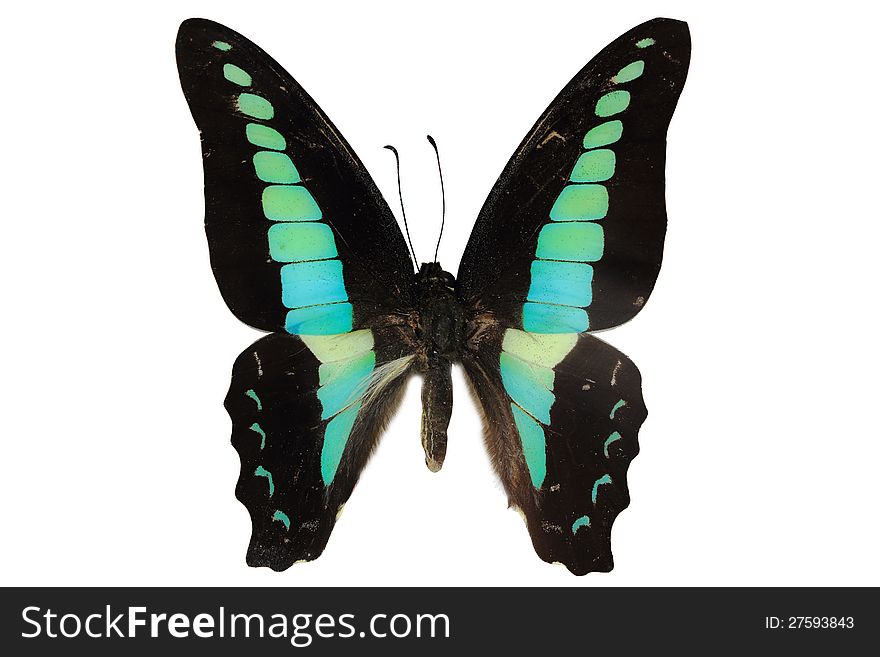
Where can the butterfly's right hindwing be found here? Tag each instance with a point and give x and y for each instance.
(562, 419)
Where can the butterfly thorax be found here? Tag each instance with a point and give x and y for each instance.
(441, 319)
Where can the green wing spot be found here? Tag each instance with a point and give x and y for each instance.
(577, 241)
(620, 404)
(272, 167)
(644, 43)
(332, 348)
(294, 203)
(629, 72)
(604, 134)
(604, 479)
(614, 102)
(265, 137)
(282, 518)
(253, 395)
(255, 106)
(583, 521)
(594, 166)
(263, 472)
(613, 437)
(222, 45)
(256, 428)
(580, 203)
(534, 446)
(544, 350)
(237, 75)
(301, 241)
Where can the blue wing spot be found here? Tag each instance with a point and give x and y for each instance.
(604, 479)
(534, 445)
(256, 428)
(282, 517)
(253, 395)
(263, 472)
(563, 283)
(312, 283)
(349, 385)
(583, 521)
(527, 386)
(553, 318)
(613, 437)
(336, 435)
(324, 319)
(620, 404)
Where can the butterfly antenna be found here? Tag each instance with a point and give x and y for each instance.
(442, 194)
(402, 210)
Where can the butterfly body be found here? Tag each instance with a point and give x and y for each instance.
(303, 246)
(440, 334)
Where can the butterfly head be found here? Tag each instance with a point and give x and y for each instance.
(431, 276)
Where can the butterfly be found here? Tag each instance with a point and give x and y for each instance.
(303, 246)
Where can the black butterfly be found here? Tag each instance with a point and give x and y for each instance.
(304, 246)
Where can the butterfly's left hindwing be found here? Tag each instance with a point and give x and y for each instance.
(562, 419)
(306, 413)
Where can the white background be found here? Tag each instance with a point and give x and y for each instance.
(759, 461)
